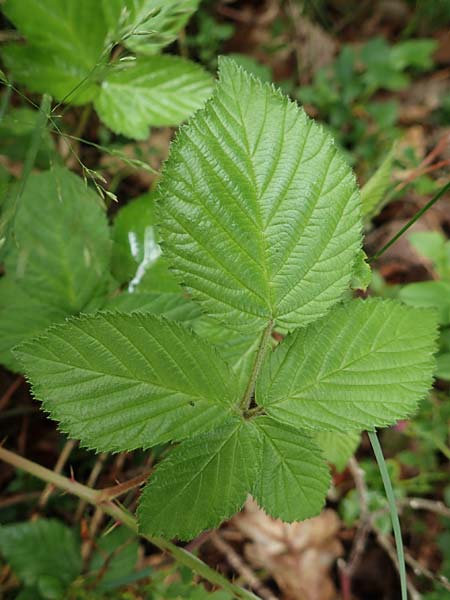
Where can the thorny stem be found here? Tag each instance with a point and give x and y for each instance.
(121, 515)
(261, 353)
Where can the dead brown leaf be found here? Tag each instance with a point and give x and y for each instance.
(297, 555)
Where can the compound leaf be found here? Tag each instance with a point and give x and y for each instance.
(202, 482)
(365, 365)
(119, 382)
(293, 480)
(42, 548)
(260, 215)
(154, 90)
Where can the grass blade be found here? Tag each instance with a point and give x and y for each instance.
(411, 222)
(392, 509)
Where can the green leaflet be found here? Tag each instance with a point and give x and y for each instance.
(202, 482)
(156, 90)
(57, 257)
(22, 316)
(65, 38)
(119, 382)
(41, 549)
(293, 479)
(260, 215)
(366, 365)
(61, 248)
(337, 447)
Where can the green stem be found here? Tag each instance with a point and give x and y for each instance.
(96, 497)
(262, 349)
(392, 509)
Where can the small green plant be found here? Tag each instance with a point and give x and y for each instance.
(343, 93)
(67, 54)
(260, 220)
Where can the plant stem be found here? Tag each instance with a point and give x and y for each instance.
(121, 515)
(260, 354)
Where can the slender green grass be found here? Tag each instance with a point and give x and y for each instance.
(392, 509)
(411, 222)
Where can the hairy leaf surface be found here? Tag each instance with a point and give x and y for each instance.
(119, 382)
(260, 213)
(154, 90)
(293, 479)
(202, 482)
(365, 365)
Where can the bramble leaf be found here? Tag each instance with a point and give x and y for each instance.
(202, 482)
(57, 257)
(365, 365)
(260, 215)
(65, 43)
(42, 548)
(154, 90)
(62, 259)
(293, 479)
(119, 382)
(22, 316)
